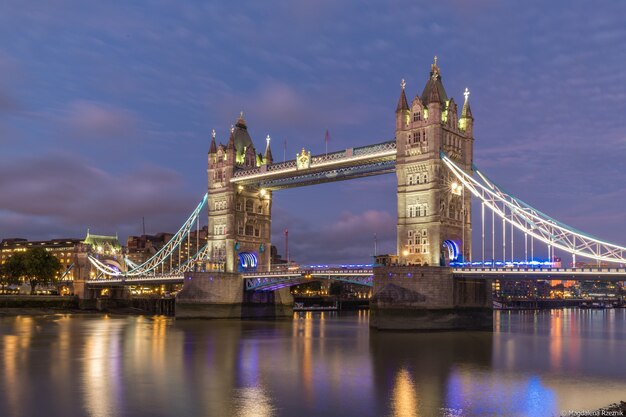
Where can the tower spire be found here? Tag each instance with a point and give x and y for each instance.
(268, 151)
(402, 102)
(467, 111)
(213, 147)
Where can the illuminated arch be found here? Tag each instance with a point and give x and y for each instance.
(453, 249)
(247, 261)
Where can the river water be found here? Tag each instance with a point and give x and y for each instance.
(537, 363)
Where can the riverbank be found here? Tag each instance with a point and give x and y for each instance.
(37, 302)
(16, 305)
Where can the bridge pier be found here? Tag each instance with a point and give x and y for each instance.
(429, 298)
(216, 295)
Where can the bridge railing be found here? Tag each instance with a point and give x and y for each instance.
(384, 148)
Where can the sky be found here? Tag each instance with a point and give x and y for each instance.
(106, 108)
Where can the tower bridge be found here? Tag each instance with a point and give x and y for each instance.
(432, 158)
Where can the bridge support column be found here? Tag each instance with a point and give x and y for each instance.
(429, 299)
(221, 295)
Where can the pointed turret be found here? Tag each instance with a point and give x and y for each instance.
(268, 152)
(433, 90)
(467, 111)
(402, 102)
(466, 122)
(402, 109)
(213, 147)
(231, 139)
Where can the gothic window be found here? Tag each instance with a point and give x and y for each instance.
(249, 230)
(249, 206)
(259, 209)
(424, 178)
(417, 116)
(257, 232)
(238, 205)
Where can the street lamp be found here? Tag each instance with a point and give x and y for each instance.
(405, 254)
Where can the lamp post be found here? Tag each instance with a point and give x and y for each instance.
(458, 189)
(405, 254)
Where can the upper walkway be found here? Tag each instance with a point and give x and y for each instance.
(349, 163)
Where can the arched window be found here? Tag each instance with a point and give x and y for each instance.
(249, 206)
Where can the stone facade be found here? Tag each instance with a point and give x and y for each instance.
(222, 295)
(431, 209)
(429, 298)
(239, 216)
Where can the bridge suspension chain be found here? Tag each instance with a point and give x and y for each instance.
(532, 222)
(162, 254)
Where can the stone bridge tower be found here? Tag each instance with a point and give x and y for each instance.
(239, 216)
(434, 212)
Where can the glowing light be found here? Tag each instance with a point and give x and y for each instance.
(403, 83)
(247, 260)
(466, 94)
(405, 253)
(267, 139)
(456, 188)
(263, 192)
(453, 249)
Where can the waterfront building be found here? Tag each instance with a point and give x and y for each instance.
(239, 217)
(65, 250)
(141, 248)
(434, 212)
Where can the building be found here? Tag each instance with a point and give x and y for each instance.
(66, 250)
(239, 216)
(434, 212)
(141, 248)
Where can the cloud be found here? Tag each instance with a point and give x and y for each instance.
(62, 193)
(89, 119)
(348, 238)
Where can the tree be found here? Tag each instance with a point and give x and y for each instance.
(41, 267)
(15, 269)
(3, 277)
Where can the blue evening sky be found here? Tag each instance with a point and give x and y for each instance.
(106, 107)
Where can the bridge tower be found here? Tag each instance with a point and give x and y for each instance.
(434, 212)
(239, 216)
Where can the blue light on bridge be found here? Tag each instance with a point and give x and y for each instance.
(506, 264)
(247, 261)
(453, 250)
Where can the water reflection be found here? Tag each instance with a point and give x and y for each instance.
(16, 342)
(533, 364)
(101, 368)
(404, 396)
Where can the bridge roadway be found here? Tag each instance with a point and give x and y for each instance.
(269, 281)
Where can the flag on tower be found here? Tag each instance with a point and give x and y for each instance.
(326, 140)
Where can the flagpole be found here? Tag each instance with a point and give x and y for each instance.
(285, 151)
(326, 140)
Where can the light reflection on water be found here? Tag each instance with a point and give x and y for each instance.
(533, 364)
